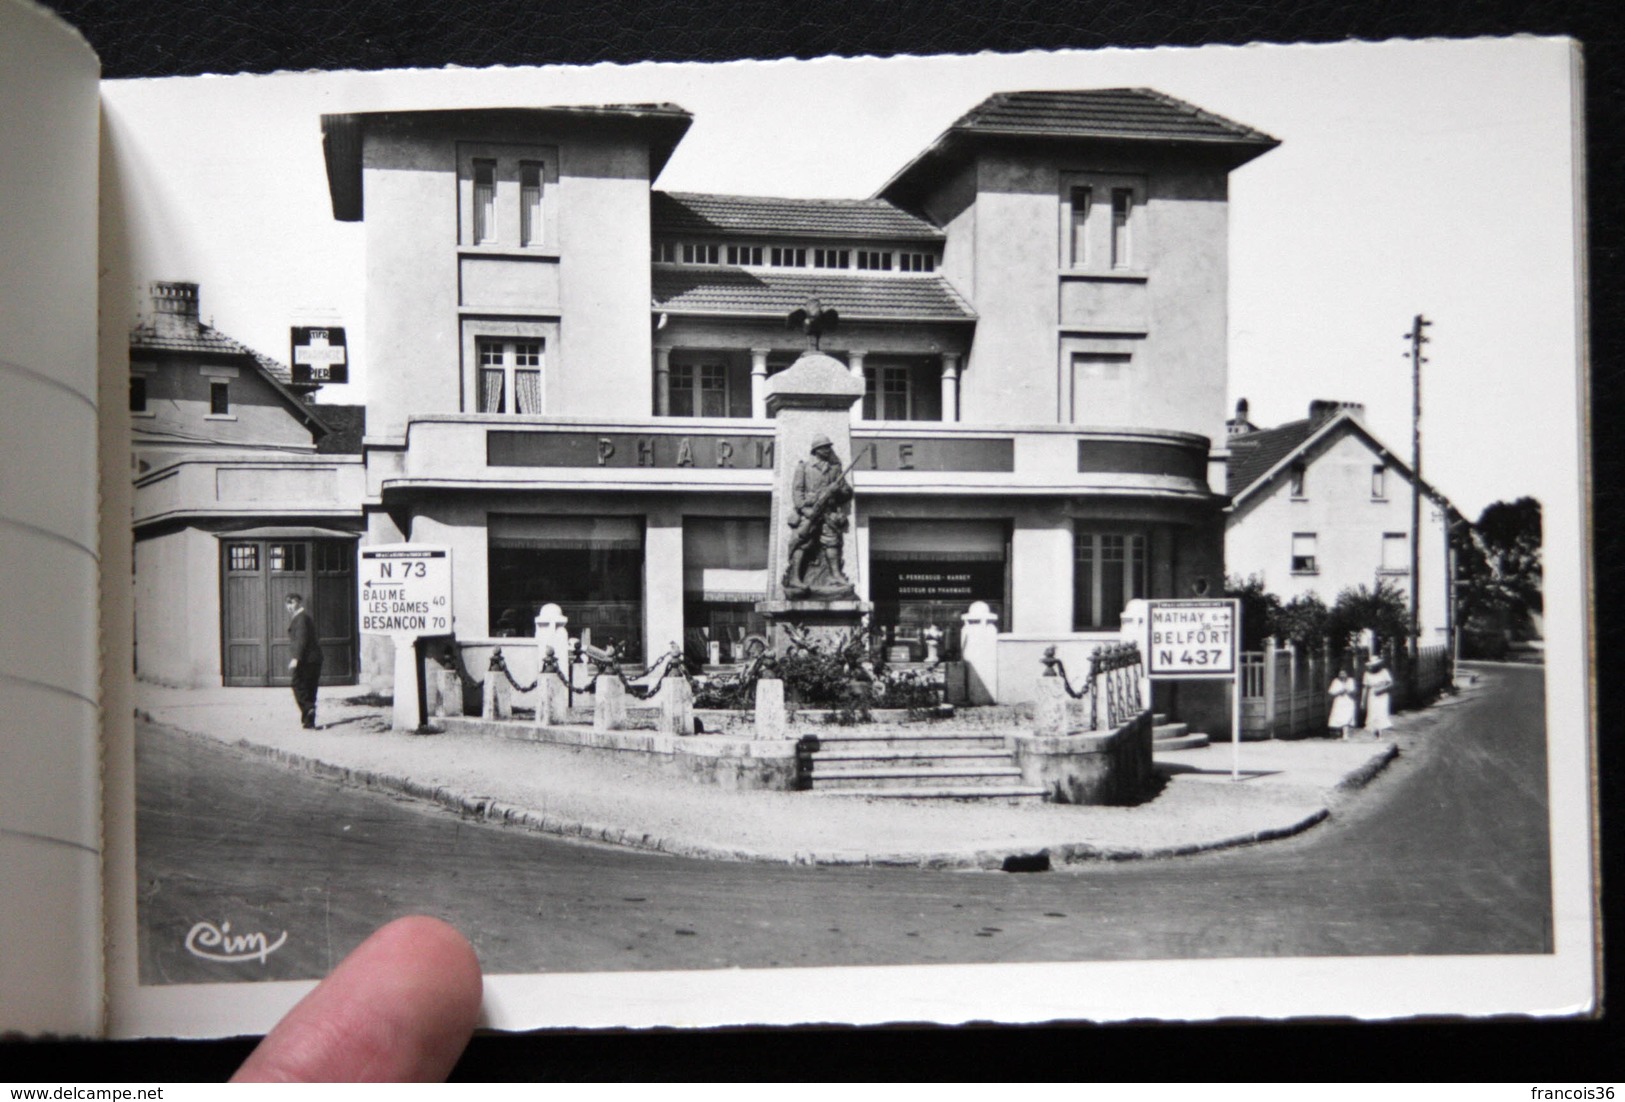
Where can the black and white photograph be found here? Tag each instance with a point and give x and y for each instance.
(1064, 536)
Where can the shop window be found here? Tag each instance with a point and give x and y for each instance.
(925, 574)
(1108, 571)
(1303, 553)
(591, 567)
(1396, 553)
(724, 575)
(510, 376)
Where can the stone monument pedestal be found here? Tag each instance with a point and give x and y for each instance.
(825, 624)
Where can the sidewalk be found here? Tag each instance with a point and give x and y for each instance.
(1284, 788)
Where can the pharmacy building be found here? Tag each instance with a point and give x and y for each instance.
(566, 367)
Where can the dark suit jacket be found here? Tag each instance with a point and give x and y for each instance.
(302, 637)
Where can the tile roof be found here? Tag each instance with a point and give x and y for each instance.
(1132, 113)
(199, 338)
(775, 294)
(1252, 454)
(682, 212)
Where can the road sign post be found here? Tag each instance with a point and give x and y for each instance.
(1198, 640)
(405, 593)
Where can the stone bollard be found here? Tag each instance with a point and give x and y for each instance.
(552, 699)
(772, 722)
(498, 696)
(676, 705)
(445, 691)
(1052, 708)
(609, 703)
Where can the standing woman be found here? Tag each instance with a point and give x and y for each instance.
(1378, 683)
(1342, 694)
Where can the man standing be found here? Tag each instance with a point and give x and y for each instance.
(306, 662)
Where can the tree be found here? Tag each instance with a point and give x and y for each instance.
(1302, 620)
(1258, 609)
(1498, 565)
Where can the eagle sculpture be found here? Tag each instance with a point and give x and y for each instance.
(813, 320)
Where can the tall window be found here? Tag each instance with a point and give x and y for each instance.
(1122, 207)
(887, 394)
(219, 399)
(1299, 481)
(1078, 239)
(1379, 481)
(1108, 571)
(1102, 222)
(510, 378)
(530, 202)
(698, 390)
(1396, 553)
(138, 394)
(1303, 553)
(485, 201)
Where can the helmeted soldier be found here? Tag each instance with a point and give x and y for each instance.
(819, 494)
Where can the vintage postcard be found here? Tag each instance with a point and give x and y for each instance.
(1063, 536)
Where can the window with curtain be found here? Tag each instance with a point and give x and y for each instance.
(530, 202)
(485, 201)
(510, 376)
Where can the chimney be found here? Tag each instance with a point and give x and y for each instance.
(1324, 409)
(1239, 424)
(174, 307)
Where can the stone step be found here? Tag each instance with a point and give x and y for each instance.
(903, 740)
(1184, 742)
(1163, 731)
(915, 756)
(904, 777)
(1009, 794)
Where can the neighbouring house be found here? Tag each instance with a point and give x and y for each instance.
(244, 492)
(1321, 505)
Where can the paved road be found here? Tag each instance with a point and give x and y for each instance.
(1445, 853)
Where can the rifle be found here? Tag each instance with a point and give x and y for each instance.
(821, 502)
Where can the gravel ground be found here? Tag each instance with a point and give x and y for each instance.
(1286, 787)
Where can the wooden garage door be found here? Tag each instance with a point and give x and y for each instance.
(256, 577)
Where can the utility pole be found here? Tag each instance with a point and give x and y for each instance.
(1417, 339)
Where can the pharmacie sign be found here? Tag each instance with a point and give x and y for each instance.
(405, 590)
(1192, 638)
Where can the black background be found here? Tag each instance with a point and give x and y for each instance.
(182, 37)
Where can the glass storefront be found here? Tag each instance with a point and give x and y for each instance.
(591, 567)
(724, 575)
(927, 573)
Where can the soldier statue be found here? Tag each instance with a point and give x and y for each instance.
(819, 495)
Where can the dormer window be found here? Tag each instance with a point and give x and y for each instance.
(745, 256)
(916, 262)
(831, 258)
(699, 253)
(870, 260)
(785, 257)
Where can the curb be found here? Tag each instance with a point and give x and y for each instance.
(497, 813)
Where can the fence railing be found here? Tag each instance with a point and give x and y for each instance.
(1284, 686)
